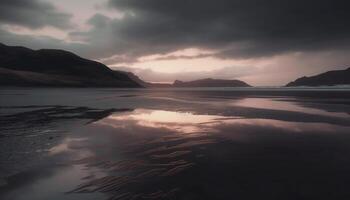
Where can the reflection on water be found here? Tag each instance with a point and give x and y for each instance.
(285, 105)
(67, 145)
(189, 123)
(181, 122)
(150, 153)
(52, 184)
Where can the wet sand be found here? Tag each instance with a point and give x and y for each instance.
(174, 144)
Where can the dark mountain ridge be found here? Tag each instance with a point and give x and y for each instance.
(143, 83)
(330, 78)
(209, 82)
(21, 66)
(50, 67)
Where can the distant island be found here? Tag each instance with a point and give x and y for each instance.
(330, 78)
(20, 66)
(209, 82)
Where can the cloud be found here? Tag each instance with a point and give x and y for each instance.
(239, 29)
(233, 29)
(39, 42)
(33, 14)
(278, 70)
(227, 32)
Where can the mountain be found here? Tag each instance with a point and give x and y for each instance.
(209, 82)
(20, 66)
(330, 78)
(143, 83)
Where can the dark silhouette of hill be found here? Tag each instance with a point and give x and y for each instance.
(209, 82)
(143, 83)
(20, 66)
(196, 83)
(330, 78)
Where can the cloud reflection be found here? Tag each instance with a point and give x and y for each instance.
(281, 104)
(181, 122)
(188, 123)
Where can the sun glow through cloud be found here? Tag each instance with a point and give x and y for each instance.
(141, 37)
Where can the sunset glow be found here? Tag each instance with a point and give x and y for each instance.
(124, 37)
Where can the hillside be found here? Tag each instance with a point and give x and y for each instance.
(209, 82)
(330, 78)
(21, 66)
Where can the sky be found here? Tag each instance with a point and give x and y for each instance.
(262, 42)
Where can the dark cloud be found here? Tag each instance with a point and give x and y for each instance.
(33, 14)
(99, 21)
(238, 28)
(230, 28)
(227, 28)
(186, 57)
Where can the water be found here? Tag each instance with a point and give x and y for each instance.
(213, 143)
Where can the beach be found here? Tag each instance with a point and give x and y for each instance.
(190, 143)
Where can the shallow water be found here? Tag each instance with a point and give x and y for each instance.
(174, 144)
